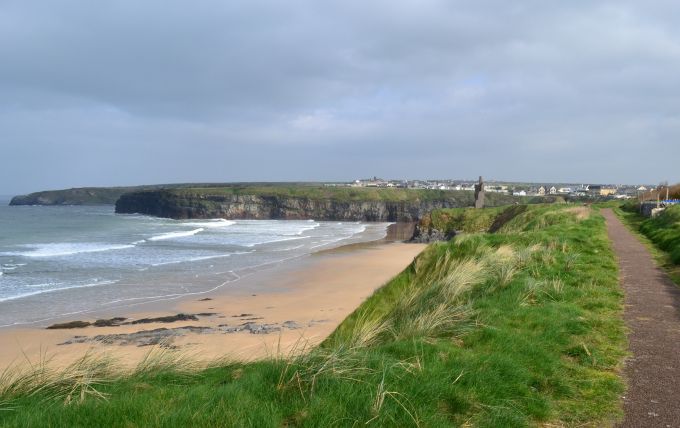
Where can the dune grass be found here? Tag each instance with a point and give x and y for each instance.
(660, 234)
(522, 328)
(664, 231)
(468, 220)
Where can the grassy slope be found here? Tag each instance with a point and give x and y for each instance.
(660, 234)
(495, 219)
(468, 220)
(510, 329)
(535, 353)
(664, 231)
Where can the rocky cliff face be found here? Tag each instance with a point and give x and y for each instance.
(185, 206)
(425, 235)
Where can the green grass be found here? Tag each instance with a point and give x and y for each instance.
(315, 191)
(661, 235)
(468, 220)
(664, 231)
(343, 194)
(512, 329)
(504, 219)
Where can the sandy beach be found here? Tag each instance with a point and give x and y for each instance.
(273, 311)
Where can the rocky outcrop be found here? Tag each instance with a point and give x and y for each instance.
(425, 235)
(243, 206)
(77, 196)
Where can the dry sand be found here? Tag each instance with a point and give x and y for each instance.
(314, 295)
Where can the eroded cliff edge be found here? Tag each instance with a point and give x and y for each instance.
(402, 206)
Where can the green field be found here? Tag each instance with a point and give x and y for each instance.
(522, 327)
(312, 191)
(344, 193)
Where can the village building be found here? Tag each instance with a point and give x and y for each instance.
(598, 190)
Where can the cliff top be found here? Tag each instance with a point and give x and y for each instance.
(109, 195)
(326, 192)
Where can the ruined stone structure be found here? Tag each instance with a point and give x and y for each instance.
(479, 193)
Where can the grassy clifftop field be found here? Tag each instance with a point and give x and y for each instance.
(299, 202)
(315, 191)
(522, 327)
(343, 194)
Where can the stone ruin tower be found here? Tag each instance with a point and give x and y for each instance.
(479, 193)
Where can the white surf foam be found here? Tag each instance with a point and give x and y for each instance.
(288, 248)
(351, 234)
(273, 240)
(198, 259)
(44, 284)
(52, 290)
(174, 235)
(275, 227)
(302, 228)
(211, 224)
(66, 249)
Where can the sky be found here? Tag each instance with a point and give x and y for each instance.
(127, 92)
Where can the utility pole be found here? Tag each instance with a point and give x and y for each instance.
(640, 198)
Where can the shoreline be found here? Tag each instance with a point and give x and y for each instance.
(392, 233)
(270, 311)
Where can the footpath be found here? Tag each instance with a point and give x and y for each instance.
(652, 314)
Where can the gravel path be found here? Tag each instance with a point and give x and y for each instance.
(652, 313)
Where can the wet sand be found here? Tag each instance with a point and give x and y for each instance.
(279, 310)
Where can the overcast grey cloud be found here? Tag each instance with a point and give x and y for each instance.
(127, 92)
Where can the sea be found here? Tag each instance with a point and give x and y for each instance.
(58, 261)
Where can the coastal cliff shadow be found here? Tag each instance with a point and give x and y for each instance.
(400, 232)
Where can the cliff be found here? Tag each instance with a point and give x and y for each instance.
(340, 204)
(109, 195)
(78, 196)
